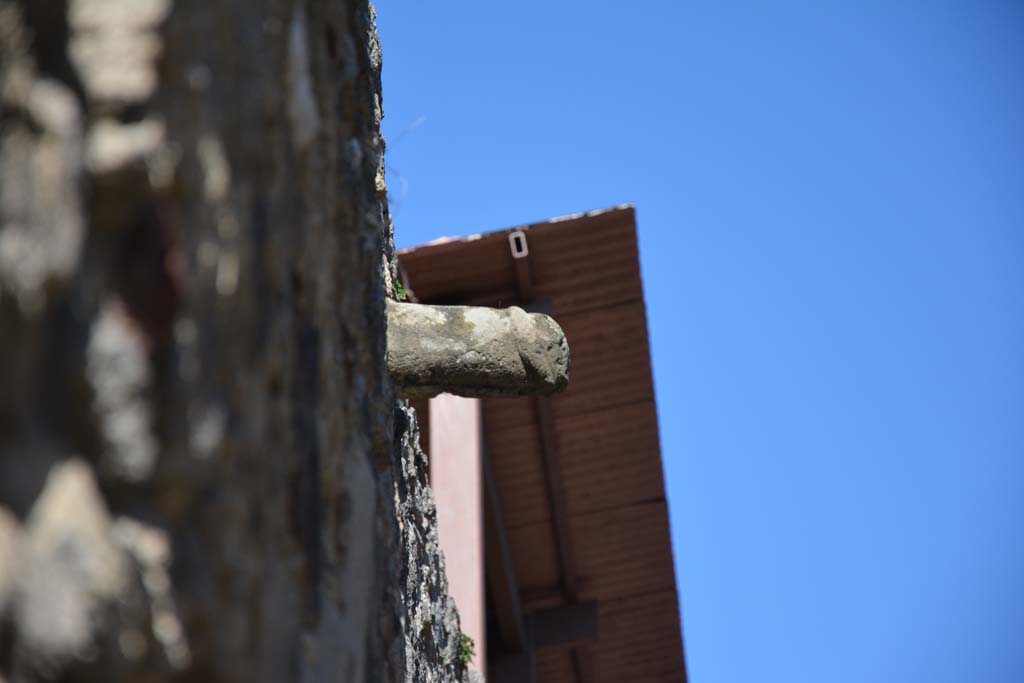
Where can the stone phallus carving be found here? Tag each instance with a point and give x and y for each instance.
(474, 351)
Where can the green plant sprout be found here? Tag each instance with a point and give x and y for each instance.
(467, 649)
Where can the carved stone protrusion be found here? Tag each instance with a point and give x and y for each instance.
(474, 351)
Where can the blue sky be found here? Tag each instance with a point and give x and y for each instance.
(830, 199)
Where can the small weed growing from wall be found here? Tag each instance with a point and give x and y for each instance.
(467, 649)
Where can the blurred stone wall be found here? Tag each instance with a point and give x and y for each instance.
(204, 473)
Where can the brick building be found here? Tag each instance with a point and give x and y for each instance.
(552, 511)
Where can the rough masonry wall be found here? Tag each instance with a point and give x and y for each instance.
(204, 473)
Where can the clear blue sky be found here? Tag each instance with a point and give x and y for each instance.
(830, 199)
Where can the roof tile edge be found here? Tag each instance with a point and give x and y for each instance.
(522, 226)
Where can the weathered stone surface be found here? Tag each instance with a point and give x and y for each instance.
(475, 351)
(41, 166)
(204, 472)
